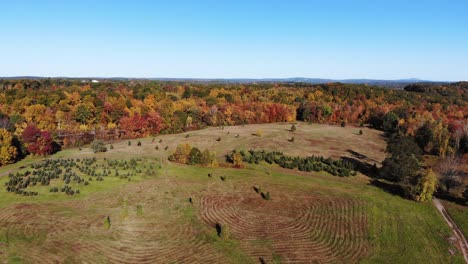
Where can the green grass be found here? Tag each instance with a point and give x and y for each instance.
(459, 214)
(398, 230)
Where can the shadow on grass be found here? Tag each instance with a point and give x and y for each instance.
(449, 197)
(363, 167)
(371, 170)
(387, 187)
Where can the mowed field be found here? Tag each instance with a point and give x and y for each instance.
(171, 216)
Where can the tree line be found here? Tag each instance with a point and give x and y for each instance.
(41, 116)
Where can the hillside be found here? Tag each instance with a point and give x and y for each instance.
(150, 210)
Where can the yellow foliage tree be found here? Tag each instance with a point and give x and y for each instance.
(181, 153)
(427, 185)
(7, 151)
(237, 159)
(209, 158)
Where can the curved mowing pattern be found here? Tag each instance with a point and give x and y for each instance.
(298, 231)
(48, 236)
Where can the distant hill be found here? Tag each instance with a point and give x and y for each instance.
(401, 83)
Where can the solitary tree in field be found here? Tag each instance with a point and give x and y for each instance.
(139, 210)
(219, 229)
(98, 146)
(107, 222)
(258, 133)
(293, 128)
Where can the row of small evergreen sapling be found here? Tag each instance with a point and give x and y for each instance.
(337, 167)
(73, 171)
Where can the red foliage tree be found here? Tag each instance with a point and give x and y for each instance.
(38, 142)
(134, 126)
(30, 134)
(154, 122)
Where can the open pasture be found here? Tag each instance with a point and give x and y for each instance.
(191, 214)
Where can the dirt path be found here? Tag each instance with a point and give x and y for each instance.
(456, 231)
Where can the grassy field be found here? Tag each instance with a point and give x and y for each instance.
(459, 214)
(171, 216)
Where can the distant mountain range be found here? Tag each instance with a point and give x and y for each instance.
(390, 83)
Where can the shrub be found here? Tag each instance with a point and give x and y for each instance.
(107, 223)
(181, 153)
(219, 229)
(195, 156)
(266, 195)
(129, 143)
(218, 139)
(343, 123)
(139, 144)
(360, 132)
(225, 233)
(111, 146)
(208, 158)
(98, 146)
(139, 209)
(237, 159)
(257, 189)
(293, 128)
(258, 133)
(292, 139)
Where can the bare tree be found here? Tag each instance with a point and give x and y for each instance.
(449, 170)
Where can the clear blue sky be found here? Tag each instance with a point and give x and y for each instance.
(380, 39)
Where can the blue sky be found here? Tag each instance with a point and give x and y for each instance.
(379, 39)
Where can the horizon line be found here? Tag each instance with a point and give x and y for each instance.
(227, 78)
